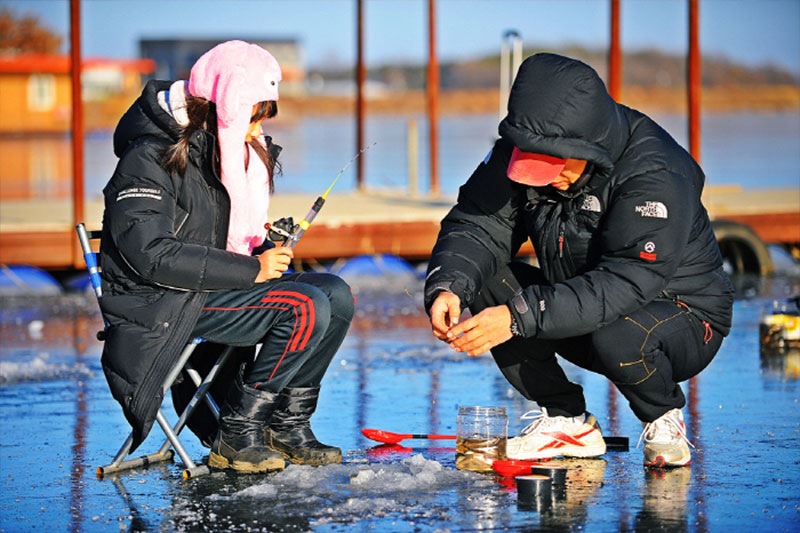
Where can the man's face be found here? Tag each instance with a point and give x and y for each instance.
(573, 169)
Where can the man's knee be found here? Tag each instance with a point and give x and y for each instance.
(623, 355)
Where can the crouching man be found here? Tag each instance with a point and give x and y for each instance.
(630, 281)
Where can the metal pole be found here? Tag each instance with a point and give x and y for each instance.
(77, 121)
(516, 55)
(361, 76)
(510, 60)
(614, 55)
(505, 82)
(433, 96)
(694, 80)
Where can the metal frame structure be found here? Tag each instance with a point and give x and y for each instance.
(120, 461)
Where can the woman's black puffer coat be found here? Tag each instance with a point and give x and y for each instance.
(631, 230)
(162, 250)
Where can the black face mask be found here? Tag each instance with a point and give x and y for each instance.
(581, 182)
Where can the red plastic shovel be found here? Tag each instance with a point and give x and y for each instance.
(387, 437)
(514, 467)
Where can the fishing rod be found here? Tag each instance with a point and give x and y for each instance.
(289, 233)
(388, 437)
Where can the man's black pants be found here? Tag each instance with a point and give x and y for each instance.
(301, 319)
(645, 354)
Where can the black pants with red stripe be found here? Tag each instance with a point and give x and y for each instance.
(300, 320)
(645, 354)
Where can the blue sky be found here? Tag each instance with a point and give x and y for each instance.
(750, 31)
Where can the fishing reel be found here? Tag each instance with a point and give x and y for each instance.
(281, 230)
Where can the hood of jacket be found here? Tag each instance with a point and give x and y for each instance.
(146, 118)
(560, 107)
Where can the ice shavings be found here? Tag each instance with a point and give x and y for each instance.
(414, 473)
(350, 492)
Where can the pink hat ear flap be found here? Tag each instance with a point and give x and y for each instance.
(228, 94)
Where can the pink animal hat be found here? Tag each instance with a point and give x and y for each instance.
(235, 75)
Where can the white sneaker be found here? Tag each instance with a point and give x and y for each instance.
(553, 436)
(665, 442)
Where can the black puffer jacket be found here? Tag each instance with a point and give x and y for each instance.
(162, 249)
(631, 230)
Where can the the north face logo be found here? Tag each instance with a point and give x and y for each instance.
(652, 210)
(591, 203)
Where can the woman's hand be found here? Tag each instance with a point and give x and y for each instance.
(274, 262)
(445, 311)
(482, 332)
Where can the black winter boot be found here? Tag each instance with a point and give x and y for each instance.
(289, 431)
(239, 445)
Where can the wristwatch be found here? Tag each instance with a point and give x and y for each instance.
(515, 327)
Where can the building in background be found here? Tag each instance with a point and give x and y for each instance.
(174, 58)
(36, 89)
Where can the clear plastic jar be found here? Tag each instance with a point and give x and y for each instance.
(481, 437)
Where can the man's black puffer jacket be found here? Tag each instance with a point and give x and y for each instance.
(161, 251)
(631, 230)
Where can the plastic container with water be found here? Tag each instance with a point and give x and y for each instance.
(779, 325)
(481, 433)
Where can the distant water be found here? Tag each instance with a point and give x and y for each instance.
(753, 150)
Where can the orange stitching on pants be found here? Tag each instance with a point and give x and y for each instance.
(641, 349)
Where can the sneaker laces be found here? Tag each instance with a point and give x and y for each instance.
(539, 417)
(662, 427)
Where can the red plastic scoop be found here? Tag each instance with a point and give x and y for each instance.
(387, 437)
(514, 467)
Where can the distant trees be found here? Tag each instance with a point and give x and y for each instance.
(640, 68)
(24, 34)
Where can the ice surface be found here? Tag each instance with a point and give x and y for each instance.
(40, 368)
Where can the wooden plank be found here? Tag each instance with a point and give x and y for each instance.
(781, 228)
(48, 249)
(413, 240)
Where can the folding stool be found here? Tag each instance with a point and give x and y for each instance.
(119, 462)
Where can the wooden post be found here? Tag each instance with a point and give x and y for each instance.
(361, 76)
(694, 80)
(77, 123)
(614, 55)
(413, 158)
(433, 96)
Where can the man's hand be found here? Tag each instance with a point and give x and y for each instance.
(445, 311)
(482, 332)
(274, 262)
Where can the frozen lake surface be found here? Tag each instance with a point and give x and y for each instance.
(58, 422)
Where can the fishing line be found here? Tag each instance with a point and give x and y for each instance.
(285, 229)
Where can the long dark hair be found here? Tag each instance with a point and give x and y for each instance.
(202, 115)
(265, 109)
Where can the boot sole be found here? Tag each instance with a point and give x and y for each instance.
(311, 461)
(222, 463)
(333, 456)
